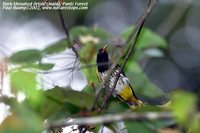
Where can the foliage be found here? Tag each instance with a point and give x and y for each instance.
(26, 56)
(61, 102)
(147, 40)
(184, 108)
(56, 47)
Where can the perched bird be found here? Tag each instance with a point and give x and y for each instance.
(123, 88)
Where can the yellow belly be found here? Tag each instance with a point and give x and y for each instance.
(127, 94)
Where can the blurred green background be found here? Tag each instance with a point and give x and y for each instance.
(39, 71)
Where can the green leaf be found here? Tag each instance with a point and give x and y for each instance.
(100, 33)
(194, 125)
(10, 125)
(40, 66)
(26, 56)
(147, 39)
(45, 66)
(21, 120)
(66, 110)
(79, 99)
(183, 104)
(52, 109)
(163, 123)
(46, 108)
(141, 83)
(93, 35)
(116, 106)
(56, 47)
(26, 82)
(149, 43)
(97, 128)
(148, 126)
(89, 89)
(137, 127)
(23, 81)
(155, 124)
(91, 74)
(149, 108)
(91, 39)
(77, 31)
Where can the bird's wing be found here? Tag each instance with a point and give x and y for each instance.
(126, 83)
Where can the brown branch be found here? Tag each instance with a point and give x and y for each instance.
(66, 32)
(112, 118)
(63, 24)
(142, 20)
(136, 27)
(100, 89)
(122, 67)
(140, 23)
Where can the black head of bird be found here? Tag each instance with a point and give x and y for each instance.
(103, 59)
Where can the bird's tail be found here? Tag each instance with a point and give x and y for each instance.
(135, 103)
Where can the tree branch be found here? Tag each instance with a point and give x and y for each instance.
(142, 20)
(112, 118)
(66, 32)
(100, 89)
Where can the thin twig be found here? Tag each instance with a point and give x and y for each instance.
(141, 24)
(63, 24)
(100, 89)
(112, 118)
(136, 27)
(122, 67)
(150, 6)
(67, 32)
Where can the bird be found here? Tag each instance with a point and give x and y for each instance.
(123, 89)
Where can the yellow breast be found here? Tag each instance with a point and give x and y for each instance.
(127, 94)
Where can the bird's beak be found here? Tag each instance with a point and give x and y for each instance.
(105, 48)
